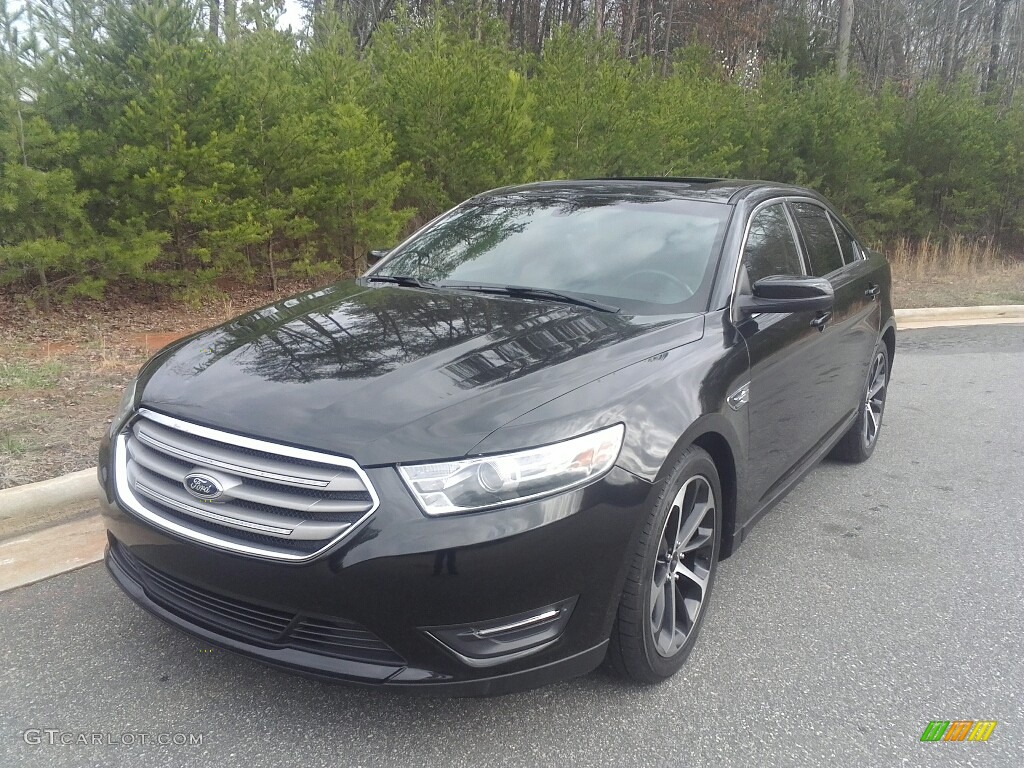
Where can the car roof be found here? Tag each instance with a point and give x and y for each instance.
(684, 188)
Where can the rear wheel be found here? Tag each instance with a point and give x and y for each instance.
(671, 573)
(859, 442)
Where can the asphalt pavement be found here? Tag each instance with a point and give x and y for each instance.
(874, 599)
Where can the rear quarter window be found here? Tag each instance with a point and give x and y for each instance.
(847, 244)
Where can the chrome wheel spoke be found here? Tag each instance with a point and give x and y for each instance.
(664, 620)
(701, 537)
(670, 614)
(696, 574)
(683, 566)
(692, 608)
(689, 529)
(657, 604)
(874, 399)
(683, 512)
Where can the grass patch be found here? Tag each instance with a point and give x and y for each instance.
(30, 375)
(957, 273)
(10, 445)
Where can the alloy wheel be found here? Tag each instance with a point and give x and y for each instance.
(874, 400)
(683, 566)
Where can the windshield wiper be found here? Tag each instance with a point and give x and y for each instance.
(406, 281)
(525, 292)
(519, 291)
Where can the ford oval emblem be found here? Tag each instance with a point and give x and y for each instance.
(203, 486)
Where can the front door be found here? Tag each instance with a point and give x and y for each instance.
(785, 414)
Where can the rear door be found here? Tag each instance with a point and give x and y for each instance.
(785, 349)
(866, 300)
(853, 329)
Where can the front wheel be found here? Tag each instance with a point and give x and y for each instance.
(671, 573)
(859, 442)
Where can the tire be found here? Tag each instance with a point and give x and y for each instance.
(642, 648)
(860, 440)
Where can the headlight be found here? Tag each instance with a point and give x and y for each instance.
(492, 481)
(124, 408)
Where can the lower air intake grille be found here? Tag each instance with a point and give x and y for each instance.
(246, 621)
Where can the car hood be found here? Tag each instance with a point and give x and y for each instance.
(393, 374)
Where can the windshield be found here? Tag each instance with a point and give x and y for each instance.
(647, 254)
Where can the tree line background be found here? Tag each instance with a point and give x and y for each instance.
(167, 143)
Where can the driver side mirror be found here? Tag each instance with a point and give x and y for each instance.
(785, 293)
(376, 255)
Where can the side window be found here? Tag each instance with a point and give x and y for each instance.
(770, 248)
(822, 248)
(846, 242)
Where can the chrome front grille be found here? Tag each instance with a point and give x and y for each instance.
(274, 501)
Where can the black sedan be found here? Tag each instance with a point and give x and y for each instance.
(516, 447)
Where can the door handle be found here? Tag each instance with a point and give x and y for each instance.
(873, 291)
(821, 320)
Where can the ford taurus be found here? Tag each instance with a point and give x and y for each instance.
(516, 447)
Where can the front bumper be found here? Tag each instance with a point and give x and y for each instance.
(409, 581)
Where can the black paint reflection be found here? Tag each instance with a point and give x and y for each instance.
(347, 331)
(543, 340)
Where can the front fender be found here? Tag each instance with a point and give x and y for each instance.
(669, 398)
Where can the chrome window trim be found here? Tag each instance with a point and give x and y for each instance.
(794, 230)
(129, 501)
(804, 261)
(835, 236)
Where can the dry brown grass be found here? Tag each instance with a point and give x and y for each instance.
(55, 405)
(957, 273)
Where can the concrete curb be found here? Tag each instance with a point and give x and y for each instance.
(935, 317)
(47, 496)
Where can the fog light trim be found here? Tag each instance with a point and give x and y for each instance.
(498, 641)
